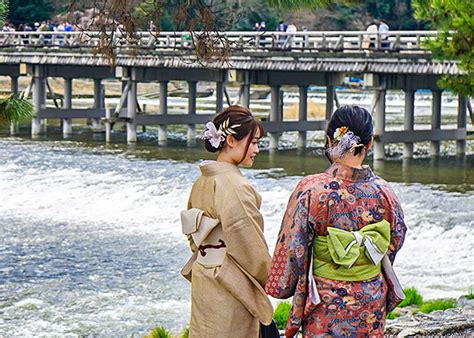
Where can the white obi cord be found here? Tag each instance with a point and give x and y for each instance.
(373, 251)
(208, 237)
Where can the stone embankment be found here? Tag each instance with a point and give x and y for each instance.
(457, 321)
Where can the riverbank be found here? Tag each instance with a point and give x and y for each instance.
(457, 321)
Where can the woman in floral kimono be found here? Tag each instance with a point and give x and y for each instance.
(230, 264)
(338, 230)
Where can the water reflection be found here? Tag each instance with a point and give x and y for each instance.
(453, 171)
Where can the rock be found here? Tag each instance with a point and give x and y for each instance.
(454, 321)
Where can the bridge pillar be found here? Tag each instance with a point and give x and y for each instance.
(98, 101)
(67, 104)
(245, 96)
(302, 115)
(219, 96)
(330, 95)
(409, 120)
(379, 128)
(14, 90)
(436, 119)
(191, 137)
(462, 122)
(39, 99)
(162, 129)
(275, 116)
(132, 111)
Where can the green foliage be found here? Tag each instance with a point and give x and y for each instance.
(22, 11)
(281, 314)
(13, 109)
(438, 304)
(455, 21)
(160, 332)
(306, 4)
(3, 11)
(412, 297)
(470, 294)
(185, 332)
(392, 315)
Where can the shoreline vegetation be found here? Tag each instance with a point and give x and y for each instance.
(412, 305)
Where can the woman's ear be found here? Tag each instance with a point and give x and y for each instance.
(371, 143)
(231, 141)
(329, 141)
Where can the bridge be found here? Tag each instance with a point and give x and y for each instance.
(388, 61)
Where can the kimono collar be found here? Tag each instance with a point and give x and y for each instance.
(212, 168)
(345, 172)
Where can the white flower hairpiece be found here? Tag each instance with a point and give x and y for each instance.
(216, 136)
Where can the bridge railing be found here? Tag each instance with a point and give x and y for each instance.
(303, 41)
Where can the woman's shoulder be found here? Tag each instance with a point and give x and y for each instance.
(312, 182)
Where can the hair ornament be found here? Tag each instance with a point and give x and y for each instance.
(216, 136)
(339, 133)
(344, 141)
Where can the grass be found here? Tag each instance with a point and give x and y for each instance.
(438, 304)
(392, 315)
(470, 294)
(412, 297)
(185, 332)
(160, 332)
(281, 314)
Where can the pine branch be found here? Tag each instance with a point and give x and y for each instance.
(14, 109)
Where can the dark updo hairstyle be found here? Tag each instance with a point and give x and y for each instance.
(357, 119)
(237, 115)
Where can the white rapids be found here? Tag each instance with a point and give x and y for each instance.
(91, 241)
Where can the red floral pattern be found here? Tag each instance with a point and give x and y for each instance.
(349, 199)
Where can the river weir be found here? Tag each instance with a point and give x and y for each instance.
(91, 242)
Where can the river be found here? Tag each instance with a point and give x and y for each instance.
(91, 241)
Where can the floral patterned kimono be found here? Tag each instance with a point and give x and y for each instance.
(349, 199)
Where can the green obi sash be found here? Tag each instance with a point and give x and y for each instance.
(351, 255)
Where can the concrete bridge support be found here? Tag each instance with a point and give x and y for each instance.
(162, 129)
(244, 98)
(409, 121)
(191, 137)
(245, 95)
(14, 90)
(132, 110)
(219, 96)
(275, 115)
(39, 99)
(436, 119)
(302, 115)
(379, 128)
(67, 104)
(330, 95)
(98, 103)
(462, 123)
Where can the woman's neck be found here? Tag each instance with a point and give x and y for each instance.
(225, 157)
(351, 161)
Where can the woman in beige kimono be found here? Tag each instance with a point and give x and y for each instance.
(230, 261)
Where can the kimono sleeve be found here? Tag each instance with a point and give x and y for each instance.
(395, 216)
(242, 224)
(290, 260)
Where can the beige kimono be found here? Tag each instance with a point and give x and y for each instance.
(229, 300)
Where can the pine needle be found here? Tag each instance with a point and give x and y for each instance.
(14, 109)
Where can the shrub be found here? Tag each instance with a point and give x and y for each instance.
(438, 304)
(282, 312)
(185, 332)
(160, 332)
(470, 294)
(412, 297)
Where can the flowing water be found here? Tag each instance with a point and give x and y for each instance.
(90, 236)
